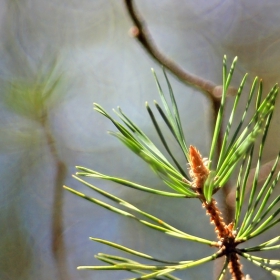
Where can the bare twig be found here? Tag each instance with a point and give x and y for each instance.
(142, 34)
(58, 246)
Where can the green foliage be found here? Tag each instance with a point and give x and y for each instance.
(33, 97)
(238, 145)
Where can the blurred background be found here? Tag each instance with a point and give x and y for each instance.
(57, 57)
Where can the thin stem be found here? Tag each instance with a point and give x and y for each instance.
(142, 34)
(58, 246)
(235, 267)
(227, 238)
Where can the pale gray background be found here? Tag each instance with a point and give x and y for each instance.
(104, 65)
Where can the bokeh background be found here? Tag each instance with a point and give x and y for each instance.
(84, 49)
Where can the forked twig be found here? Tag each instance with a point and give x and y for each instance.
(142, 34)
